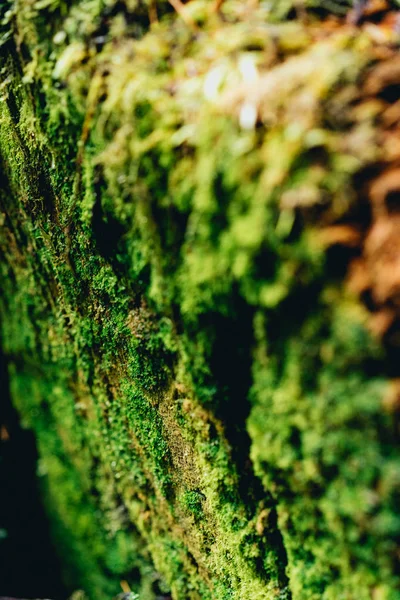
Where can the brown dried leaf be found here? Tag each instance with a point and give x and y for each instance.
(358, 278)
(385, 74)
(382, 254)
(345, 235)
(387, 182)
(391, 145)
(391, 115)
(380, 322)
(374, 6)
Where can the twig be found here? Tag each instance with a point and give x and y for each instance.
(217, 5)
(180, 9)
(153, 16)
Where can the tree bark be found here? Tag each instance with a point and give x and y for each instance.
(200, 267)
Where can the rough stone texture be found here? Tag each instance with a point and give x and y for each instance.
(198, 206)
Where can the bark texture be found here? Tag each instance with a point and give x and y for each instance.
(200, 268)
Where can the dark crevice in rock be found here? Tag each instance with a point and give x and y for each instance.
(29, 566)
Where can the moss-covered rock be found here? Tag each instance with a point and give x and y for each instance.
(185, 193)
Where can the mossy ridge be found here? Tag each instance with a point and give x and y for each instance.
(217, 254)
(73, 337)
(205, 282)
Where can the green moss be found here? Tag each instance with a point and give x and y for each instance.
(166, 295)
(192, 501)
(315, 427)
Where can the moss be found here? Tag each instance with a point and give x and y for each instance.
(206, 395)
(316, 441)
(192, 500)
